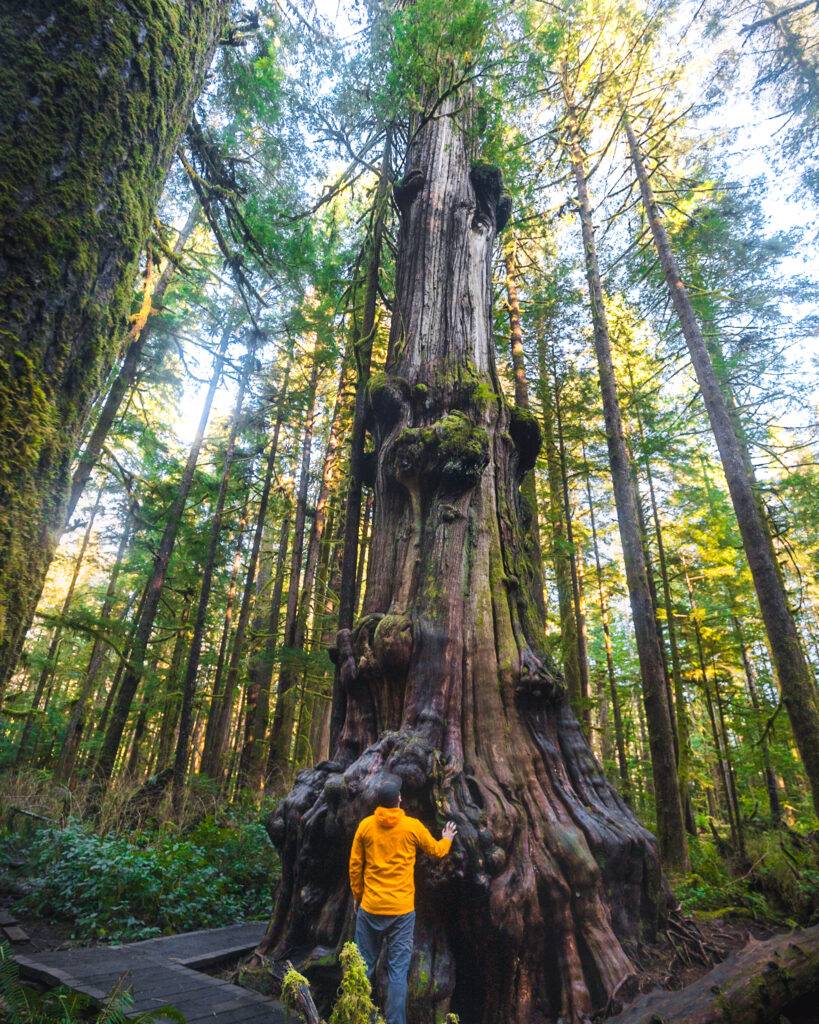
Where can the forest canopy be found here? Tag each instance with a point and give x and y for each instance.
(422, 388)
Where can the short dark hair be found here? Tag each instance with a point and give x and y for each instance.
(388, 791)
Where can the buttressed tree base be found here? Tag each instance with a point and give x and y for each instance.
(444, 681)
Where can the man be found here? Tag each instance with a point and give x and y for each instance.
(382, 865)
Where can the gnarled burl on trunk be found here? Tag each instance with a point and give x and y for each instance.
(445, 680)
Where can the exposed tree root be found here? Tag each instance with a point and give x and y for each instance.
(754, 985)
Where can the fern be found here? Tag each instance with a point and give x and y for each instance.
(13, 1006)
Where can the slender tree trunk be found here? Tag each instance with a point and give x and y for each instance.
(670, 824)
(173, 695)
(730, 771)
(200, 619)
(78, 196)
(719, 739)
(76, 722)
(214, 765)
(260, 673)
(224, 642)
(753, 693)
(133, 673)
(569, 646)
(364, 551)
(282, 731)
(792, 669)
(527, 487)
(683, 729)
(574, 555)
(445, 677)
(50, 665)
(622, 760)
(363, 338)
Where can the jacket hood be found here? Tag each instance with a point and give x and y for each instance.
(388, 817)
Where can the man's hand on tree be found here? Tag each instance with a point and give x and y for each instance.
(450, 830)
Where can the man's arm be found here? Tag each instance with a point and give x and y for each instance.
(436, 847)
(357, 865)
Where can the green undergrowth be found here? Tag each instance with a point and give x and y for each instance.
(147, 882)
(777, 882)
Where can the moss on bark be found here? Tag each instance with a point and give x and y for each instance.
(100, 91)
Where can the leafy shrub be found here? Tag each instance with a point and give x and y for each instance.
(149, 883)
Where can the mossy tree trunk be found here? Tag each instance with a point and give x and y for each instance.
(100, 92)
(445, 677)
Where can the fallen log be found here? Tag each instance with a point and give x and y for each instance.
(754, 985)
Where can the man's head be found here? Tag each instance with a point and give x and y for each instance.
(388, 793)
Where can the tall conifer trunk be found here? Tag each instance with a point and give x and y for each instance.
(793, 672)
(445, 678)
(671, 831)
(100, 94)
(134, 672)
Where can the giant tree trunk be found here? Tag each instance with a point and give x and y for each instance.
(792, 668)
(445, 678)
(100, 93)
(671, 831)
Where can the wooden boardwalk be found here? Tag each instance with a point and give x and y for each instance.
(165, 972)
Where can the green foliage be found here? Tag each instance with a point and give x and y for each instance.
(780, 887)
(145, 884)
(21, 1005)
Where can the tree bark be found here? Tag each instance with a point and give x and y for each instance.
(670, 825)
(445, 677)
(792, 669)
(133, 673)
(195, 651)
(101, 96)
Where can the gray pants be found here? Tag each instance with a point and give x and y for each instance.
(370, 932)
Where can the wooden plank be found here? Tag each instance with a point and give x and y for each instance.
(272, 1013)
(157, 972)
(14, 933)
